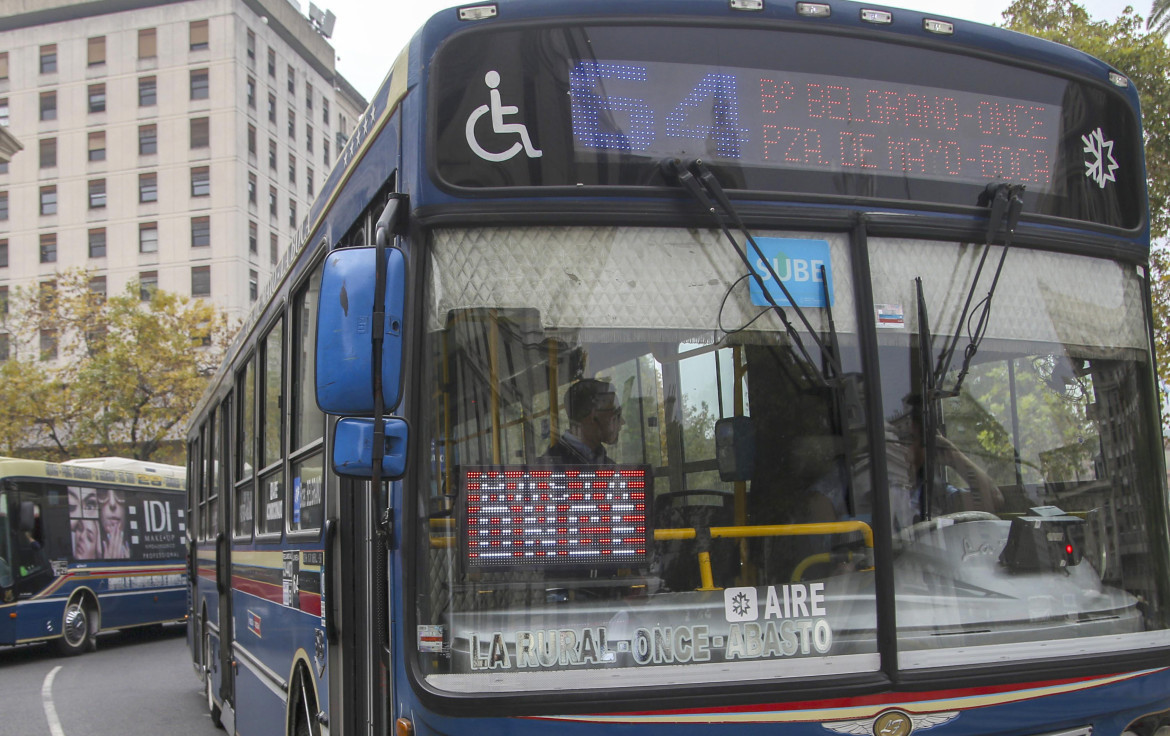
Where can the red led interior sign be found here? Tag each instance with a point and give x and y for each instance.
(545, 516)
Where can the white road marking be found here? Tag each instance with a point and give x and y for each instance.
(51, 710)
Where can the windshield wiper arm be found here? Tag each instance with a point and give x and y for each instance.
(708, 192)
(929, 398)
(1006, 202)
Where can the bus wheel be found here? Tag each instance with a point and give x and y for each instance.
(212, 708)
(78, 628)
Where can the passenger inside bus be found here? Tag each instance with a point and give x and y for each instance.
(906, 493)
(595, 420)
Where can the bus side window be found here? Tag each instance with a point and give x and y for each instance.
(31, 559)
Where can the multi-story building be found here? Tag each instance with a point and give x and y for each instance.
(173, 143)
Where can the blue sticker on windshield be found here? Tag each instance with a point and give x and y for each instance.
(798, 264)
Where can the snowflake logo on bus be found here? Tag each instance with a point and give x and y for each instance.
(739, 604)
(1099, 164)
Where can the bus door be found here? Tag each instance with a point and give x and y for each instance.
(219, 489)
(359, 643)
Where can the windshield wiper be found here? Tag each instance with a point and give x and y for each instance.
(1006, 202)
(929, 400)
(700, 183)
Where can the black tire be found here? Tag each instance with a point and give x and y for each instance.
(213, 708)
(79, 626)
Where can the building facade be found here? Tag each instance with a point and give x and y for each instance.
(175, 144)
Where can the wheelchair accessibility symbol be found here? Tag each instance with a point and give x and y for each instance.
(498, 110)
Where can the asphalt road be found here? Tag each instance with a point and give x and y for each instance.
(136, 683)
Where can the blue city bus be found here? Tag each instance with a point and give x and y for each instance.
(730, 365)
(89, 545)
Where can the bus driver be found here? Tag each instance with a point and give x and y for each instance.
(595, 419)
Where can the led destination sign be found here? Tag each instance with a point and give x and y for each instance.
(546, 516)
(593, 110)
(809, 121)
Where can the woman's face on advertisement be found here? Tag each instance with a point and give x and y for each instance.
(83, 503)
(85, 539)
(113, 507)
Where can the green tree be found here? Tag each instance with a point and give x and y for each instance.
(1159, 20)
(97, 375)
(1144, 57)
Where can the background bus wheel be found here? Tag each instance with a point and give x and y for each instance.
(78, 628)
(212, 708)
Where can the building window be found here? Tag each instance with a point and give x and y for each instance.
(201, 281)
(308, 138)
(4, 253)
(4, 111)
(273, 250)
(325, 150)
(147, 140)
(97, 286)
(148, 237)
(48, 152)
(3, 205)
(309, 182)
(147, 43)
(147, 92)
(272, 201)
(200, 232)
(251, 87)
(148, 187)
(97, 243)
(3, 66)
(48, 247)
(49, 58)
(292, 169)
(325, 111)
(97, 194)
(96, 53)
(272, 63)
(200, 86)
(251, 189)
(271, 154)
(200, 132)
(48, 344)
(251, 46)
(253, 284)
(253, 237)
(340, 143)
(97, 98)
(251, 139)
(198, 35)
(147, 285)
(292, 125)
(271, 108)
(97, 146)
(292, 81)
(292, 212)
(5, 351)
(48, 202)
(48, 106)
(201, 181)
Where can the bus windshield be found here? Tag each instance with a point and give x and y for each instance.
(640, 473)
(5, 546)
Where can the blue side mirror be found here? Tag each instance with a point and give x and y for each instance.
(353, 447)
(345, 383)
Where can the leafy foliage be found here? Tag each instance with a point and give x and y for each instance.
(126, 374)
